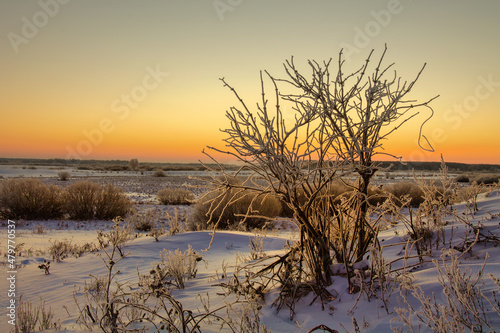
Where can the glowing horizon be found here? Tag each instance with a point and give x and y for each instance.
(94, 80)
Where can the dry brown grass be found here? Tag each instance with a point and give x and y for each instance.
(145, 221)
(175, 196)
(29, 198)
(406, 188)
(234, 209)
(30, 317)
(159, 173)
(487, 179)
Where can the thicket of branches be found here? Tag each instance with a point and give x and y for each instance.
(338, 125)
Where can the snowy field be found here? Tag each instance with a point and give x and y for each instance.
(68, 277)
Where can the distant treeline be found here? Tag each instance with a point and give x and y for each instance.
(435, 166)
(109, 165)
(121, 165)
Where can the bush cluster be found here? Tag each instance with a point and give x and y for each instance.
(30, 199)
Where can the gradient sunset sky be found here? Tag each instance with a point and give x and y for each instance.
(122, 79)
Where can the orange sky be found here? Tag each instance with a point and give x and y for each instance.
(127, 79)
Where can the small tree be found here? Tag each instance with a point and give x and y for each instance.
(339, 123)
(133, 164)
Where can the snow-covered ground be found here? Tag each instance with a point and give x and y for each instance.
(69, 276)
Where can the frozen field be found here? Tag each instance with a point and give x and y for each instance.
(68, 277)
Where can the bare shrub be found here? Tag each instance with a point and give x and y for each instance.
(119, 235)
(79, 250)
(100, 299)
(45, 266)
(338, 126)
(26, 317)
(30, 199)
(406, 188)
(63, 175)
(86, 200)
(257, 247)
(337, 191)
(175, 196)
(159, 173)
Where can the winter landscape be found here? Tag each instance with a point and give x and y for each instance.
(455, 277)
(249, 166)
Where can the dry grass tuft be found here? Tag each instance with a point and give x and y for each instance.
(406, 188)
(175, 196)
(145, 221)
(487, 179)
(468, 307)
(174, 268)
(30, 318)
(159, 173)
(234, 209)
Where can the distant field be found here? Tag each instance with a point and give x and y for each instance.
(105, 165)
(122, 165)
